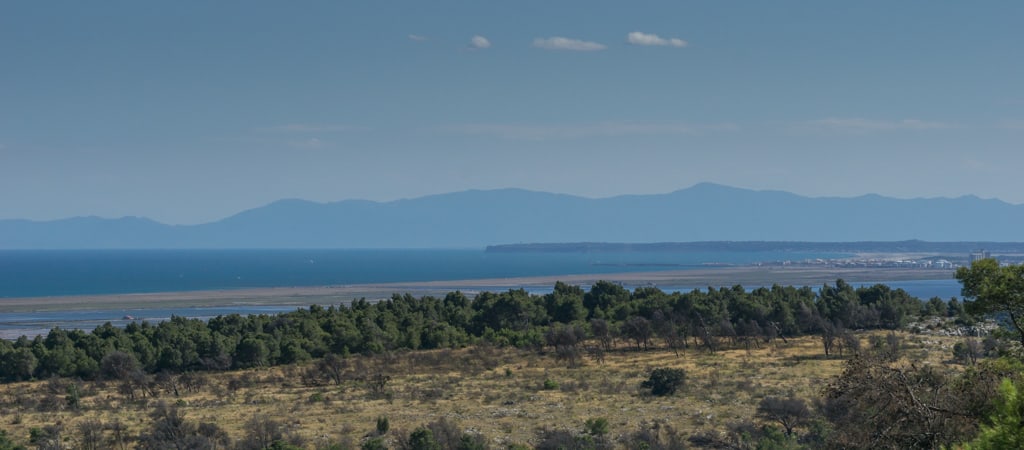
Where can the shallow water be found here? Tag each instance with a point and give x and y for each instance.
(34, 273)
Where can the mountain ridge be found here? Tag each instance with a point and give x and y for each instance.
(479, 218)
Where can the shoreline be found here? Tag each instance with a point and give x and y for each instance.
(325, 295)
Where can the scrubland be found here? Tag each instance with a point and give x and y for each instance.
(506, 396)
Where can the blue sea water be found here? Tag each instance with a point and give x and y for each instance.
(57, 273)
(87, 272)
(32, 323)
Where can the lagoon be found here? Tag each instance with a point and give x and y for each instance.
(35, 273)
(40, 290)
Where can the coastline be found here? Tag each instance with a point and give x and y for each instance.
(325, 295)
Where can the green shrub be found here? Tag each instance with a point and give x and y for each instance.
(373, 444)
(7, 444)
(423, 439)
(664, 381)
(383, 425)
(1004, 428)
(597, 427)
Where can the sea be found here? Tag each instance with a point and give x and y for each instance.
(47, 273)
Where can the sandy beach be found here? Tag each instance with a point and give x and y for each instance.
(304, 296)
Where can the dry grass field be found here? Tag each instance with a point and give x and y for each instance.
(506, 395)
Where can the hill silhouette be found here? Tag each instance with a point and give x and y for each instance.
(478, 218)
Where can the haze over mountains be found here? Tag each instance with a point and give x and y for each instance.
(704, 212)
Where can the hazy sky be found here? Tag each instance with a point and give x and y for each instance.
(189, 111)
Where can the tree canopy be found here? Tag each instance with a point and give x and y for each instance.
(996, 290)
(562, 319)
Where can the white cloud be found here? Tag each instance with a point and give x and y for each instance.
(563, 43)
(417, 38)
(311, 143)
(603, 129)
(857, 125)
(640, 38)
(479, 42)
(311, 127)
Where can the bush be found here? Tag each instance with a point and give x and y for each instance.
(664, 381)
(374, 444)
(423, 439)
(597, 427)
(550, 385)
(7, 444)
(662, 436)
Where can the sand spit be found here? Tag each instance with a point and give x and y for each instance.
(304, 296)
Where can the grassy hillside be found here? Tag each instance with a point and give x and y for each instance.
(507, 396)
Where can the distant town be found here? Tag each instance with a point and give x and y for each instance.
(912, 254)
(924, 262)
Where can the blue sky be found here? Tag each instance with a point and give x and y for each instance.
(187, 112)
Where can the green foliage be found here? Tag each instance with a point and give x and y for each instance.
(597, 426)
(995, 290)
(774, 439)
(550, 385)
(561, 319)
(664, 381)
(469, 442)
(373, 444)
(74, 396)
(383, 425)
(7, 444)
(423, 439)
(1004, 429)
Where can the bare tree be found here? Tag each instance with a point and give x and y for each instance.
(118, 365)
(890, 347)
(170, 430)
(118, 435)
(789, 412)
(48, 437)
(90, 434)
(214, 435)
(705, 334)
(876, 403)
(828, 336)
(333, 366)
(599, 328)
(262, 433)
(968, 351)
(638, 329)
(565, 340)
(850, 342)
(749, 332)
(669, 328)
(377, 383)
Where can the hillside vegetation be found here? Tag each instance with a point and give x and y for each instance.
(778, 367)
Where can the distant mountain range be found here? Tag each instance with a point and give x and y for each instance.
(475, 219)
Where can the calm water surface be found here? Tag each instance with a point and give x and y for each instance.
(58, 272)
(54, 273)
